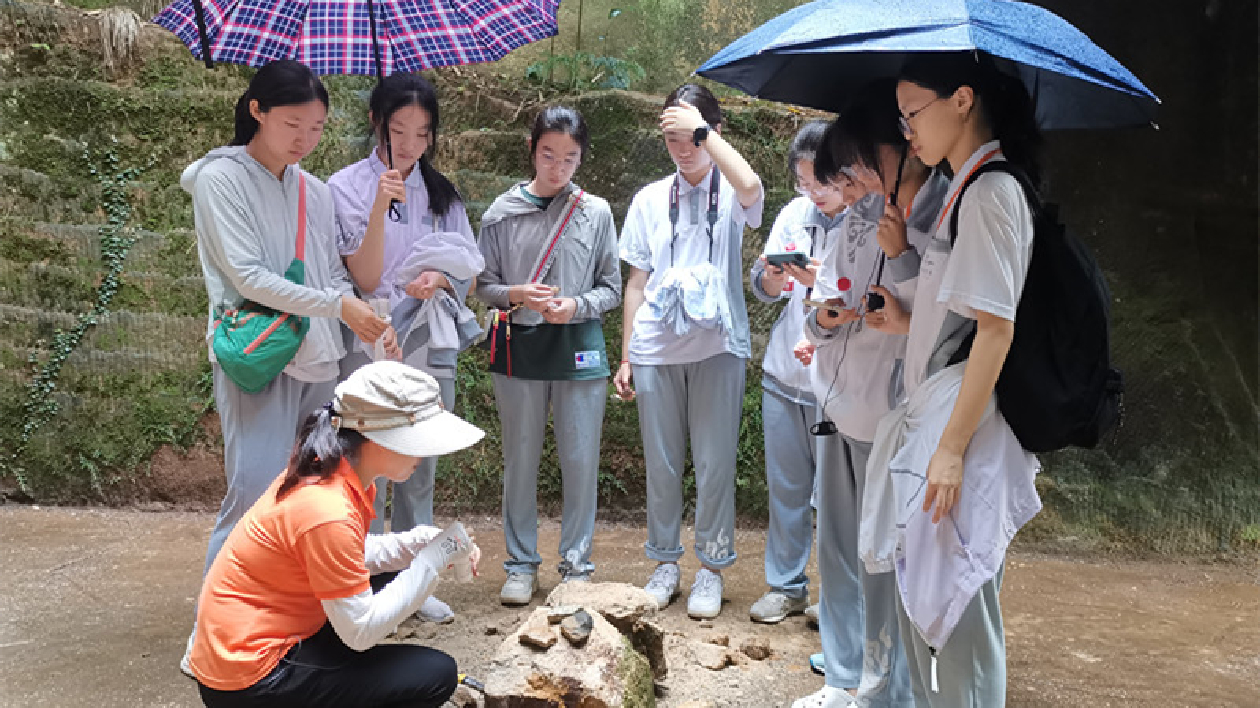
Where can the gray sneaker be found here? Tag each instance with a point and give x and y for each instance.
(775, 606)
(519, 588)
(663, 585)
(705, 600)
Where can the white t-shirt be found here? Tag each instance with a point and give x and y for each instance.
(645, 244)
(984, 271)
(799, 228)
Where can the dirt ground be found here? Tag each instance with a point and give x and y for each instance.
(95, 606)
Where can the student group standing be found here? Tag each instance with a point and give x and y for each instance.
(865, 381)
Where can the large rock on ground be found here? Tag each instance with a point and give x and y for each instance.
(619, 603)
(604, 672)
(628, 607)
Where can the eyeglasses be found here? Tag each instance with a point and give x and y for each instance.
(816, 190)
(903, 121)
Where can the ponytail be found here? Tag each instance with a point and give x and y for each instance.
(319, 451)
(280, 83)
(246, 124)
(1006, 107)
(442, 193)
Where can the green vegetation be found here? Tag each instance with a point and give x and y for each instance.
(102, 309)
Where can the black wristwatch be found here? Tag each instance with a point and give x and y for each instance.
(701, 133)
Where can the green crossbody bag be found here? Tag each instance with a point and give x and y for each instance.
(252, 342)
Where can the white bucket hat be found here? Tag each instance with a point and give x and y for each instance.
(400, 408)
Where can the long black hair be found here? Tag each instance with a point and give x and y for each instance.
(281, 83)
(398, 91)
(560, 119)
(1006, 107)
(319, 451)
(854, 138)
(700, 97)
(805, 145)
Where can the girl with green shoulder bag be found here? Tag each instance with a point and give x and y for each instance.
(276, 340)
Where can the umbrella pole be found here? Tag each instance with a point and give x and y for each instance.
(199, 14)
(901, 168)
(380, 75)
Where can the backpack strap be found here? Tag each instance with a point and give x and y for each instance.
(1030, 192)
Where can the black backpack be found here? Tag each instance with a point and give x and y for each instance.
(1057, 387)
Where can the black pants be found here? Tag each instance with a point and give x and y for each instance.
(322, 671)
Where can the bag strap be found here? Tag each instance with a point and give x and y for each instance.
(549, 255)
(1030, 191)
(301, 225)
(711, 214)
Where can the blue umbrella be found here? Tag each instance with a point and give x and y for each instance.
(817, 54)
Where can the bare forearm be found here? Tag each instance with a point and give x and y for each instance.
(634, 299)
(734, 168)
(988, 354)
(367, 263)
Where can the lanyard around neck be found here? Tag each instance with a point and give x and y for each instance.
(711, 216)
(945, 212)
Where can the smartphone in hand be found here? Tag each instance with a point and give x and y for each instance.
(799, 260)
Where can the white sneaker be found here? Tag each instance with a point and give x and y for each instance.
(519, 588)
(705, 600)
(185, 665)
(827, 697)
(663, 585)
(775, 606)
(811, 613)
(436, 611)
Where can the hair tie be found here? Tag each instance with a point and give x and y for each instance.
(334, 420)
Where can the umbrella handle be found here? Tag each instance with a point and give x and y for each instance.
(901, 166)
(199, 14)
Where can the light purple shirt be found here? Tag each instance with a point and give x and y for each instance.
(354, 191)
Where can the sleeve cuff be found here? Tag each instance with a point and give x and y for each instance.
(906, 266)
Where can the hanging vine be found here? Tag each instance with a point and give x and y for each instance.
(41, 405)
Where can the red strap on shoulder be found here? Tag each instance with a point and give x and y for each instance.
(301, 224)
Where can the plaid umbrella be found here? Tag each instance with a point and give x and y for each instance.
(368, 37)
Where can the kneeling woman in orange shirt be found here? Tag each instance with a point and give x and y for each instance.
(287, 616)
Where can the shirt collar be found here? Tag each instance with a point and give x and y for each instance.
(363, 498)
(378, 167)
(685, 187)
(961, 173)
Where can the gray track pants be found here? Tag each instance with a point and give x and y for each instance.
(259, 430)
(577, 408)
(790, 465)
(702, 401)
(971, 667)
(858, 612)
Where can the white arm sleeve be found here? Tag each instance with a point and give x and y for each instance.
(384, 553)
(363, 620)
